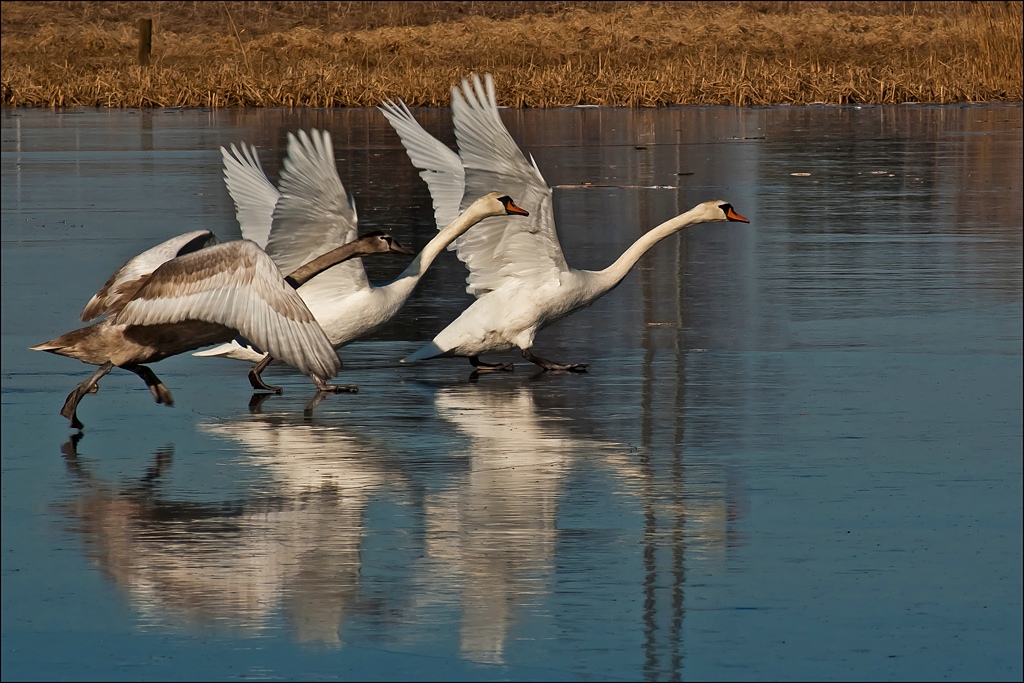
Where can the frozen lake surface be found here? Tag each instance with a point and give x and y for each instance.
(796, 453)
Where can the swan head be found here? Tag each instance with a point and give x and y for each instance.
(717, 210)
(495, 204)
(380, 242)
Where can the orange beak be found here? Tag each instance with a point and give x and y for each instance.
(512, 208)
(733, 216)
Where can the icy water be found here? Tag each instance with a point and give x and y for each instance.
(796, 453)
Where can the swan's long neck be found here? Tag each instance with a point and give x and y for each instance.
(415, 270)
(305, 273)
(411, 275)
(613, 274)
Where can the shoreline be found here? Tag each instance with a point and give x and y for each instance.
(544, 54)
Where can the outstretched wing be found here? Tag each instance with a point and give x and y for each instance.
(122, 285)
(313, 216)
(441, 167)
(502, 247)
(499, 248)
(236, 284)
(254, 196)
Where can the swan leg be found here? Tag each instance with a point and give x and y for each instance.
(70, 451)
(161, 394)
(312, 403)
(256, 403)
(490, 367)
(256, 379)
(335, 388)
(161, 462)
(551, 365)
(89, 386)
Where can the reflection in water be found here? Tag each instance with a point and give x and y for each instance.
(236, 563)
(159, 551)
(494, 531)
(327, 475)
(295, 545)
(689, 512)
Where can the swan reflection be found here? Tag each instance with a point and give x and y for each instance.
(494, 531)
(291, 547)
(488, 504)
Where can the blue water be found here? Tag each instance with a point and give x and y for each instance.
(796, 453)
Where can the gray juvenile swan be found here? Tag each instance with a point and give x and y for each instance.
(192, 291)
(310, 212)
(517, 271)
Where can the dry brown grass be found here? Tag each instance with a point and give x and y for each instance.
(320, 54)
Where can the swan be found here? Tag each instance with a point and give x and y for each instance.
(191, 291)
(517, 271)
(310, 212)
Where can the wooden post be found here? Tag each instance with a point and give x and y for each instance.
(145, 40)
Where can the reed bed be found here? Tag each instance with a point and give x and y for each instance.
(543, 54)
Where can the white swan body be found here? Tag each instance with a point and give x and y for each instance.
(311, 214)
(511, 315)
(516, 269)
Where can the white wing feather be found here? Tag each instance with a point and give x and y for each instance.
(254, 196)
(313, 216)
(501, 247)
(442, 168)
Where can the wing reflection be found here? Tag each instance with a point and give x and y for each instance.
(290, 546)
(494, 532)
(489, 496)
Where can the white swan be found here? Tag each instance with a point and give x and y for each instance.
(516, 269)
(192, 291)
(312, 213)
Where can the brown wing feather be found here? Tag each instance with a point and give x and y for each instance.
(236, 284)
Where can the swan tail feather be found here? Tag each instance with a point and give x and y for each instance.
(430, 350)
(51, 346)
(232, 350)
(221, 350)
